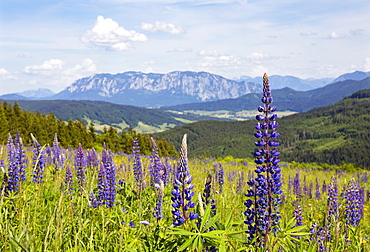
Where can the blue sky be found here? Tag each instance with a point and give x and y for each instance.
(50, 44)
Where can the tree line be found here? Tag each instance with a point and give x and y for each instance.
(72, 132)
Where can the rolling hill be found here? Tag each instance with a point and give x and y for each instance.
(334, 134)
(111, 114)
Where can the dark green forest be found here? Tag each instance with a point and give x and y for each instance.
(71, 132)
(335, 134)
(107, 113)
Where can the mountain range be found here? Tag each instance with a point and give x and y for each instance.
(284, 99)
(174, 88)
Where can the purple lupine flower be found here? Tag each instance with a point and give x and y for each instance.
(80, 165)
(206, 196)
(297, 186)
(68, 180)
(240, 183)
(158, 209)
(333, 198)
(297, 214)
(93, 201)
(262, 212)
(156, 169)
(220, 177)
(92, 159)
(38, 162)
(102, 186)
(324, 187)
(4, 180)
(317, 193)
(352, 197)
(57, 156)
(13, 167)
(20, 156)
(167, 172)
(110, 173)
(137, 166)
(181, 193)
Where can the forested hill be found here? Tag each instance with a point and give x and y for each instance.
(70, 133)
(335, 134)
(110, 114)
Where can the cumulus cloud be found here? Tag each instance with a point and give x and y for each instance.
(57, 75)
(87, 67)
(161, 27)
(5, 74)
(47, 68)
(107, 34)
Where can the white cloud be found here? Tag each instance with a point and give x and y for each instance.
(86, 68)
(334, 35)
(5, 74)
(367, 64)
(54, 73)
(107, 34)
(158, 27)
(49, 67)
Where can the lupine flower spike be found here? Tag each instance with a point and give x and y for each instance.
(137, 166)
(156, 169)
(80, 166)
(158, 213)
(110, 173)
(20, 156)
(57, 156)
(264, 195)
(38, 162)
(181, 193)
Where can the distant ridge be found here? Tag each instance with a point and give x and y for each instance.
(284, 99)
(154, 90)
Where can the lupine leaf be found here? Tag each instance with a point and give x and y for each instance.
(186, 244)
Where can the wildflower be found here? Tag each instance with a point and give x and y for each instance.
(333, 198)
(206, 196)
(80, 165)
(156, 169)
(298, 216)
(13, 168)
(144, 222)
(92, 159)
(137, 166)
(93, 201)
(181, 193)
(220, 177)
(262, 212)
(20, 156)
(110, 174)
(38, 162)
(57, 156)
(158, 211)
(68, 180)
(317, 193)
(353, 204)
